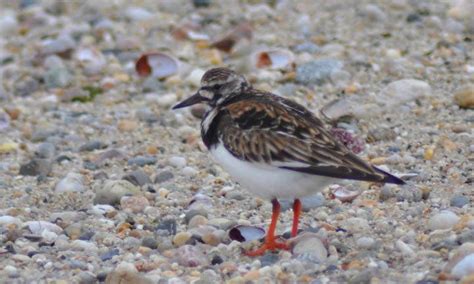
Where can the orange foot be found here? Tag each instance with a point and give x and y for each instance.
(267, 246)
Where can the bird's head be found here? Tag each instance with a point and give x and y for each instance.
(217, 86)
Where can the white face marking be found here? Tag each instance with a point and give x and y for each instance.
(208, 120)
(206, 94)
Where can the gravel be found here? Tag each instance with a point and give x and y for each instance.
(101, 181)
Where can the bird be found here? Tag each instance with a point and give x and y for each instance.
(273, 146)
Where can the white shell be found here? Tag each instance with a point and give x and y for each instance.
(273, 59)
(343, 194)
(37, 227)
(161, 65)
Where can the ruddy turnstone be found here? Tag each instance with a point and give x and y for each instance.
(273, 146)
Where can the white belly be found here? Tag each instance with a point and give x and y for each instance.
(267, 181)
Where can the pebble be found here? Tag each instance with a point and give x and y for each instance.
(109, 254)
(150, 243)
(181, 238)
(72, 182)
(443, 220)
(138, 178)
(464, 96)
(374, 13)
(7, 220)
(365, 242)
(11, 271)
(163, 176)
(167, 227)
(464, 267)
(189, 171)
(91, 146)
(126, 273)
(311, 248)
(142, 161)
(178, 162)
(190, 256)
(113, 190)
(404, 248)
(26, 87)
(138, 14)
(36, 167)
(45, 150)
(318, 71)
(135, 204)
(84, 246)
(403, 91)
(409, 193)
(196, 221)
(355, 225)
(459, 201)
(58, 45)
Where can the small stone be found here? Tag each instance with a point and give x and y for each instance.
(355, 225)
(126, 125)
(58, 77)
(36, 167)
(138, 14)
(386, 193)
(410, 193)
(201, 4)
(374, 13)
(126, 273)
(464, 267)
(83, 246)
(318, 71)
(163, 176)
(178, 162)
(109, 254)
(311, 248)
(190, 256)
(194, 77)
(112, 192)
(91, 146)
(26, 87)
(135, 204)
(108, 155)
(404, 248)
(459, 201)
(11, 271)
(142, 161)
(150, 243)
(59, 45)
(443, 220)
(197, 221)
(222, 223)
(167, 227)
(72, 182)
(365, 242)
(86, 277)
(138, 178)
(7, 220)
(189, 171)
(181, 238)
(403, 91)
(464, 96)
(45, 150)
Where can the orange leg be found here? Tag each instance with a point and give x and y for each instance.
(270, 242)
(296, 217)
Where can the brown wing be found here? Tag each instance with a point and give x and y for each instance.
(284, 134)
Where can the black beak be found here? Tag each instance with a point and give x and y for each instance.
(192, 100)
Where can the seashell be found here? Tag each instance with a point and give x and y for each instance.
(242, 233)
(37, 227)
(227, 42)
(200, 201)
(157, 64)
(343, 194)
(337, 109)
(352, 142)
(91, 59)
(189, 31)
(273, 59)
